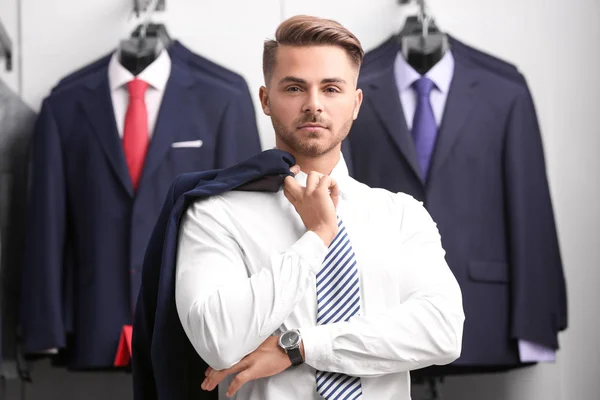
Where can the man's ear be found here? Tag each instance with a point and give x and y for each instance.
(264, 100)
(357, 102)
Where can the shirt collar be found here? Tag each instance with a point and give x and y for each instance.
(155, 74)
(441, 73)
(339, 173)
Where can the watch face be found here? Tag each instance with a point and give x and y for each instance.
(289, 339)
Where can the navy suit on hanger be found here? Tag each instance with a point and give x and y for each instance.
(383, 56)
(165, 364)
(87, 229)
(487, 190)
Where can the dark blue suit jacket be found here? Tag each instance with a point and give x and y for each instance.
(87, 229)
(488, 193)
(165, 364)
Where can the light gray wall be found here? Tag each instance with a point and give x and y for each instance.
(555, 44)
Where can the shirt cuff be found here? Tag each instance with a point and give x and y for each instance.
(311, 248)
(533, 352)
(318, 349)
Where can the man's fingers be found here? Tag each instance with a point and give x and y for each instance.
(312, 181)
(213, 377)
(334, 191)
(240, 379)
(295, 169)
(291, 188)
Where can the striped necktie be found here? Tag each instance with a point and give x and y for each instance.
(338, 299)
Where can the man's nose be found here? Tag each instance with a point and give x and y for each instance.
(313, 102)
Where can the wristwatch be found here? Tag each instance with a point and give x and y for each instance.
(290, 342)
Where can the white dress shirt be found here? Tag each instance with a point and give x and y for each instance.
(156, 75)
(246, 270)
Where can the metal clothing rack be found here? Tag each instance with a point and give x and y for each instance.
(6, 47)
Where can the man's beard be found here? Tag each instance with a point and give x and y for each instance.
(305, 146)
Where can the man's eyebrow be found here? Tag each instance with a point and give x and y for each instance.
(292, 79)
(333, 80)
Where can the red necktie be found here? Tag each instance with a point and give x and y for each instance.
(135, 133)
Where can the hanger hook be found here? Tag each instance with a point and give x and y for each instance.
(149, 11)
(424, 17)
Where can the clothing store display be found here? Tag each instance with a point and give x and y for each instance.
(486, 189)
(89, 221)
(16, 127)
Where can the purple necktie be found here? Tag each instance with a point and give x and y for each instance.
(424, 129)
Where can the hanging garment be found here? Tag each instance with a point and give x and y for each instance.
(488, 195)
(88, 228)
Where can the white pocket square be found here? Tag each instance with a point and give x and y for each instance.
(191, 143)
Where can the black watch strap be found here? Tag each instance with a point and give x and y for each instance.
(295, 356)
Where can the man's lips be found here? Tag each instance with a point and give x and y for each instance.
(312, 126)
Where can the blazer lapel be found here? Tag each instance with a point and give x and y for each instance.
(459, 105)
(386, 103)
(175, 102)
(99, 109)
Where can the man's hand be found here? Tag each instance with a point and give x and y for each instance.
(268, 360)
(315, 203)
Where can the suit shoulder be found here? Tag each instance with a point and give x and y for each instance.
(222, 71)
(82, 71)
(216, 88)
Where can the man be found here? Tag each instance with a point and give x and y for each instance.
(346, 283)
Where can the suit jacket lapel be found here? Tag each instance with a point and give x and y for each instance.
(176, 100)
(459, 105)
(99, 109)
(386, 103)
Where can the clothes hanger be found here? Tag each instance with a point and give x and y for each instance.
(423, 44)
(137, 53)
(154, 30)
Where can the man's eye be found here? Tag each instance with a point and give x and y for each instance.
(332, 89)
(293, 89)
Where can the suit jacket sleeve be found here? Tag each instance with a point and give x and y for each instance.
(238, 137)
(539, 293)
(42, 318)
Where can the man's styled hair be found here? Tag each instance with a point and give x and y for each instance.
(304, 30)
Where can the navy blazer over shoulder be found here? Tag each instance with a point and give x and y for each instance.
(165, 364)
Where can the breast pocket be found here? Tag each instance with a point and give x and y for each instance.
(191, 155)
